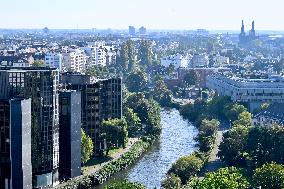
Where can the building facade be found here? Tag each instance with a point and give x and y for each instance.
(15, 144)
(41, 85)
(54, 60)
(69, 134)
(252, 91)
(101, 100)
(74, 60)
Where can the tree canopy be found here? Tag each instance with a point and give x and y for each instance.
(86, 147)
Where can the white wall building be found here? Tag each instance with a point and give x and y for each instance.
(199, 61)
(178, 60)
(252, 91)
(54, 60)
(97, 53)
(74, 60)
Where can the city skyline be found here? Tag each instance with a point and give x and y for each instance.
(158, 14)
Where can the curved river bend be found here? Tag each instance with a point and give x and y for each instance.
(176, 140)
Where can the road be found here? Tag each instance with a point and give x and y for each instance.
(214, 163)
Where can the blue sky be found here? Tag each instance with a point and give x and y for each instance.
(153, 14)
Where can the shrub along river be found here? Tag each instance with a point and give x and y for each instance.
(176, 140)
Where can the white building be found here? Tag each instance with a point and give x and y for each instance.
(252, 91)
(220, 60)
(199, 61)
(97, 53)
(74, 60)
(178, 60)
(54, 60)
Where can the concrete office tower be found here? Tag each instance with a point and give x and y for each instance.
(41, 85)
(101, 100)
(69, 134)
(15, 144)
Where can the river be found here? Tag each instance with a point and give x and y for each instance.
(176, 140)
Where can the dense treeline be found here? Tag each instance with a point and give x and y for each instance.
(252, 146)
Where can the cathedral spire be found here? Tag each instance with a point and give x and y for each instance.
(252, 26)
(243, 27)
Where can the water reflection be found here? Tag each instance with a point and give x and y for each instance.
(177, 139)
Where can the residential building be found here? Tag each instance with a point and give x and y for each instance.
(69, 134)
(199, 61)
(41, 85)
(273, 115)
(15, 144)
(54, 60)
(101, 100)
(252, 91)
(177, 60)
(74, 60)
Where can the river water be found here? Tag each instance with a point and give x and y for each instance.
(176, 140)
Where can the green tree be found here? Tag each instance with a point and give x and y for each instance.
(186, 167)
(190, 78)
(270, 175)
(147, 110)
(233, 111)
(161, 93)
(224, 178)
(115, 133)
(87, 147)
(39, 63)
(136, 81)
(145, 53)
(124, 185)
(232, 147)
(244, 119)
(131, 54)
(206, 136)
(171, 182)
(133, 121)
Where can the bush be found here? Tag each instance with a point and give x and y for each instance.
(270, 175)
(187, 167)
(224, 178)
(109, 169)
(124, 185)
(171, 182)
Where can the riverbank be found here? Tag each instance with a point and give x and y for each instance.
(176, 140)
(91, 167)
(214, 162)
(107, 170)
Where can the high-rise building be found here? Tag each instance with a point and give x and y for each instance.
(142, 30)
(69, 134)
(54, 60)
(131, 30)
(41, 85)
(101, 100)
(74, 60)
(15, 144)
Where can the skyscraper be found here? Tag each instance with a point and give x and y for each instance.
(15, 144)
(41, 85)
(69, 134)
(101, 100)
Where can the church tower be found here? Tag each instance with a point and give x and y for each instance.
(242, 36)
(252, 31)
